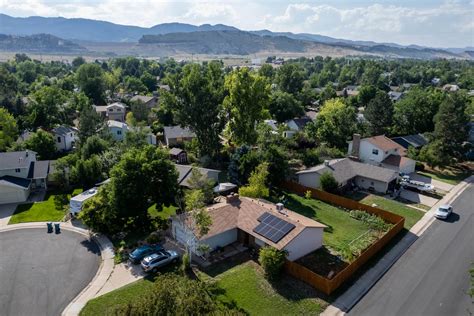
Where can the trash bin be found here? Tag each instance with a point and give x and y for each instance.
(50, 227)
(57, 229)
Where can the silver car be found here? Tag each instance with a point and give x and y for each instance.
(443, 211)
(159, 259)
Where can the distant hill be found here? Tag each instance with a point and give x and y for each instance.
(245, 43)
(93, 30)
(217, 41)
(37, 43)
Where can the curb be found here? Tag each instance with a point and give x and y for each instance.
(418, 229)
(103, 273)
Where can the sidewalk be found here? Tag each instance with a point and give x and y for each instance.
(352, 295)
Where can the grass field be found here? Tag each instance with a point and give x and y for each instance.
(342, 228)
(105, 304)
(164, 214)
(451, 175)
(245, 286)
(44, 211)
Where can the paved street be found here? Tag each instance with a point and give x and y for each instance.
(432, 277)
(41, 273)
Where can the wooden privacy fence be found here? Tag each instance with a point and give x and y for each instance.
(324, 284)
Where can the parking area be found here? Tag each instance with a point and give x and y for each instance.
(41, 273)
(416, 197)
(439, 185)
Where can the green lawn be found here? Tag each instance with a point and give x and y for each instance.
(452, 176)
(42, 211)
(411, 215)
(105, 304)
(342, 228)
(245, 286)
(164, 214)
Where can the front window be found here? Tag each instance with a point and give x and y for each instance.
(17, 170)
(59, 139)
(119, 132)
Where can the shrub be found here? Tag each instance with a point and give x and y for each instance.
(153, 238)
(374, 221)
(257, 187)
(186, 263)
(272, 261)
(328, 182)
(419, 166)
(308, 195)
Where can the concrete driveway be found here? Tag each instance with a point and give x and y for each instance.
(41, 273)
(440, 185)
(418, 198)
(6, 211)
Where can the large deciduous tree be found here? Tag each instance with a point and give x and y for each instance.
(246, 103)
(415, 112)
(42, 143)
(379, 113)
(290, 78)
(90, 78)
(335, 123)
(451, 131)
(284, 106)
(8, 129)
(47, 107)
(199, 95)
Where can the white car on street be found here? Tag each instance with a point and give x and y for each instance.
(443, 211)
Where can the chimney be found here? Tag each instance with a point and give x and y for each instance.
(232, 197)
(326, 163)
(26, 153)
(355, 145)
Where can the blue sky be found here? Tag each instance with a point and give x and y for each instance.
(436, 23)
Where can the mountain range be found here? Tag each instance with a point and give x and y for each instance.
(178, 38)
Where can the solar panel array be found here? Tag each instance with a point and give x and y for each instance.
(272, 227)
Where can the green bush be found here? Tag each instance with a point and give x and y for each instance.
(185, 263)
(374, 221)
(419, 166)
(308, 195)
(328, 182)
(272, 261)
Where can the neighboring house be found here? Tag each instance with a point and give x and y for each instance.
(65, 137)
(113, 112)
(451, 87)
(298, 124)
(118, 130)
(253, 223)
(14, 190)
(381, 151)
(20, 173)
(178, 155)
(185, 171)
(349, 173)
(175, 135)
(416, 141)
(272, 124)
(395, 96)
(149, 101)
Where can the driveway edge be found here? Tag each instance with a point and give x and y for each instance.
(351, 296)
(103, 273)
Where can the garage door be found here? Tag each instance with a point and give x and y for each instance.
(10, 194)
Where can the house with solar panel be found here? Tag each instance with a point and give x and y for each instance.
(253, 223)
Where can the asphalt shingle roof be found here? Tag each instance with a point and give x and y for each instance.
(185, 173)
(63, 130)
(15, 159)
(177, 132)
(346, 169)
